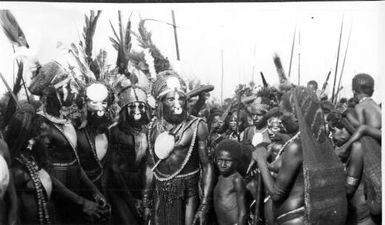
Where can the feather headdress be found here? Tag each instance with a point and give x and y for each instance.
(161, 63)
(122, 43)
(12, 29)
(284, 83)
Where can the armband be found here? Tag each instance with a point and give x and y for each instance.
(352, 181)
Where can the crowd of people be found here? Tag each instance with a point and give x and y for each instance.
(274, 157)
(146, 149)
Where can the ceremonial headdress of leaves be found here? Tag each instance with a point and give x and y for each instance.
(152, 58)
(122, 43)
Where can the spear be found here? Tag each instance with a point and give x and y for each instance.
(326, 81)
(9, 89)
(338, 56)
(292, 49)
(299, 58)
(343, 63)
(265, 84)
(175, 35)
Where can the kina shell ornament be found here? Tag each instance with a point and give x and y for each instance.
(164, 145)
(257, 138)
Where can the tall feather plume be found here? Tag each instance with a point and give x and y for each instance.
(283, 81)
(16, 36)
(122, 43)
(161, 63)
(12, 29)
(88, 35)
(89, 32)
(101, 61)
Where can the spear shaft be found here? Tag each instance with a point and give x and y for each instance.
(292, 50)
(175, 35)
(338, 56)
(343, 64)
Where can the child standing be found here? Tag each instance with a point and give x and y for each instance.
(229, 192)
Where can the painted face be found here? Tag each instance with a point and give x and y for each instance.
(136, 110)
(217, 124)
(289, 120)
(174, 109)
(225, 163)
(233, 122)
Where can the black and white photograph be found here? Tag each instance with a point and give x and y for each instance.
(221, 113)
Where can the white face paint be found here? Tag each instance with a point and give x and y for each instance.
(97, 95)
(177, 108)
(136, 109)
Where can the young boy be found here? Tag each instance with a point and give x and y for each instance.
(229, 192)
(368, 111)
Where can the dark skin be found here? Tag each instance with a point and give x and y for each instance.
(9, 200)
(174, 103)
(368, 112)
(354, 168)
(229, 189)
(287, 190)
(58, 149)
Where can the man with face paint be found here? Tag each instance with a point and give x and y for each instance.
(59, 91)
(177, 151)
(129, 144)
(93, 136)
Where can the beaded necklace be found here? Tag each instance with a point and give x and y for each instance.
(286, 144)
(42, 198)
(93, 150)
(186, 160)
(363, 99)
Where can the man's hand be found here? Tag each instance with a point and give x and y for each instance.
(146, 215)
(260, 154)
(92, 210)
(201, 215)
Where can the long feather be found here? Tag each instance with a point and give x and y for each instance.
(265, 84)
(12, 29)
(280, 71)
(89, 32)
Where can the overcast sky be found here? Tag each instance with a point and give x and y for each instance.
(249, 34)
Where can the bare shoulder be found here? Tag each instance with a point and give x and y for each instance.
(203, 130)
(294, 149)
(238, 181)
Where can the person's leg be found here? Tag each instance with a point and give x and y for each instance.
(191, 208)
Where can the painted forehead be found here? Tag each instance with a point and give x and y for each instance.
(97, 92)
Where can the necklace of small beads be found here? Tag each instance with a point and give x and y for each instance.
(42, 198)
